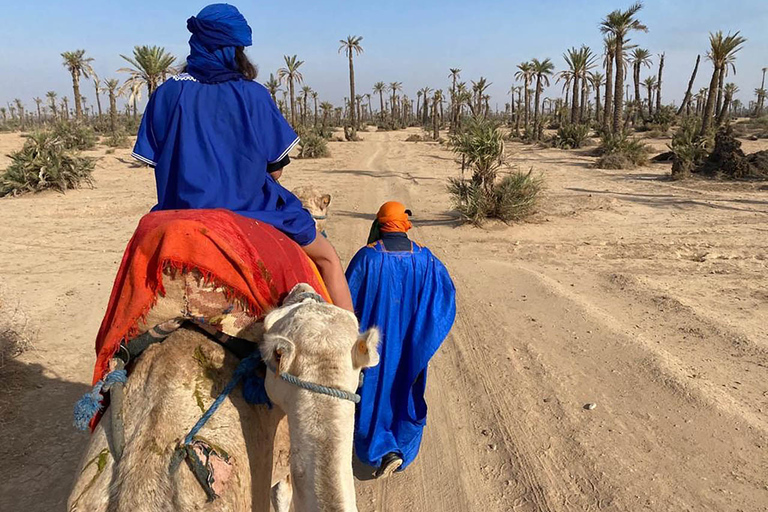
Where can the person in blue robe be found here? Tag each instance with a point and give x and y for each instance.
(400, 287)
(216, 139)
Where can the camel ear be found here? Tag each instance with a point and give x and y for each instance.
(325, 199)
(365, 353)
(280, 352)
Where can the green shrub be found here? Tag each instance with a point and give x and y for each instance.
(480, 143)
(689, 150)
(313, 145)
(74, 135)
(618, 151)
(571, 136)
(44, 163)
(512, 198)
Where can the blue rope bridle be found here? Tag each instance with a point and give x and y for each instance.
(321, 217)
(316, 388)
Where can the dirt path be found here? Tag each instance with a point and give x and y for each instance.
(646, 297)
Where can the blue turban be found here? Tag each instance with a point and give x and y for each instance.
(216, 31)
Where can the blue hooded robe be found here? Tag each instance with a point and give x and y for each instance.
(410, 297)
(210, 134)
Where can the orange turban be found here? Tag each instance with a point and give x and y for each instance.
(393, 218)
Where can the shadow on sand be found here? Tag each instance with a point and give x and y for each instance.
(41, 448)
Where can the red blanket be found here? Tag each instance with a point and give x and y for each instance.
(253, 261)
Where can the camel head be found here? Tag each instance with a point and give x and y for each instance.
(317, 343)
(316, 203)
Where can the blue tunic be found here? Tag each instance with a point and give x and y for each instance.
(411, 298)
(210, 144)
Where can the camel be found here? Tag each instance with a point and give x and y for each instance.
(316, 203)
(174, 381)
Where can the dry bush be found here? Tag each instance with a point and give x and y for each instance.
(75, 135)
(571, 136)
(413, 138)
(313, 145)
(44, 163)
(621, 152)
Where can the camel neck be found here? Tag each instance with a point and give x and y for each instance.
(321, 457)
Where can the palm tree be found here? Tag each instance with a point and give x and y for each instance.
(597, 80)
(394, 87)
(761, 97)
(525, 74)
(327, 109)
(133, 87)
(97, 87)
(579, 61)
(306, 92)
(688, 95)
(610, 53)
(65, 107)
(650, 84)
(722, 54)
(20, 108)
(454, 76)
(111, 87)
(314, 100)
(273, 86)
(151, 65)
(51, 95)
(290, 74)
(479, 88)
(437, 99)
(542, 70)
(640, 57)
(619, 24)
(379, 88)
(77, 64)
(658, 83)
(39, 101)
(426, 91)
(728, 92)
(351, 46)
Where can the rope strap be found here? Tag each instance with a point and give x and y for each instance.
(317, 388)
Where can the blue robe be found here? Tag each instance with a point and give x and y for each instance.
(410, 297)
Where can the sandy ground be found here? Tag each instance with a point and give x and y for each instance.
(646, 297)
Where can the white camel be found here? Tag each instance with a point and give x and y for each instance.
(306, 342)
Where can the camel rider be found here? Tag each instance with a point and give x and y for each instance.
(402, 288)
(217, 140)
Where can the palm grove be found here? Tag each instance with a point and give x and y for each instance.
(614, 92)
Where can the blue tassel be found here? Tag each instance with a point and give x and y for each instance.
(91, 403)
(254, 391)
(88, 407)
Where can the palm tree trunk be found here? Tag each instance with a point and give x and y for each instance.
(650, 102)
(536, 100)
(658, 84)
(720, 91)
(135, 107)
(638, 101)
(575, 111)
(527, 103)
(618, 102)
(112, 112)
(709, 107)
(598, 107)
(608, 92)
(98, 100)
(76, 90)
(352, 100)
(293, 102)
(724, 109)
(381, 99)
(584, 101)
(435, 119)
(687, 98)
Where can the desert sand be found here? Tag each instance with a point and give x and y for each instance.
(645, 297)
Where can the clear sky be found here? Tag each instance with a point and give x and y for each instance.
(414, 42)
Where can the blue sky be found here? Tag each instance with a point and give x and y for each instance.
(414, 42)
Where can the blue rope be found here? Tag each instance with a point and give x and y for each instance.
(318, 388)
(91, 403)
(246, 366)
